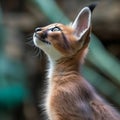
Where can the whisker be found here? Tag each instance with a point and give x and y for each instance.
(30, 43)
(37, 52)
(29, 38)
(36, 49)
(30, 35)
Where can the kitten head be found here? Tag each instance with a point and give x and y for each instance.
(58, 40)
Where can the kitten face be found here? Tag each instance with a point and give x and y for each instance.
(55, 39)
(58, 40)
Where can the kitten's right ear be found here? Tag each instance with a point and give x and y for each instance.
(82, 23)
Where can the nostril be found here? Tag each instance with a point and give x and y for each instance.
(44, 35)
(38, 29)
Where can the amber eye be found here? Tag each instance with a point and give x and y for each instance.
(55, 29)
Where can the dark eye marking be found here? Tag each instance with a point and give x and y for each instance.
(55, 29)
(65, 40)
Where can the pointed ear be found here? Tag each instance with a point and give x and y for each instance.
(82, 22)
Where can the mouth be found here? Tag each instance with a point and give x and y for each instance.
(41, 38)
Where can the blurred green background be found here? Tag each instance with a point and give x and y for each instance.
(22, 72)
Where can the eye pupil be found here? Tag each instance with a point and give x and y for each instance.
(56, 29)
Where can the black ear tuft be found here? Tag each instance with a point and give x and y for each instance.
(92, 6)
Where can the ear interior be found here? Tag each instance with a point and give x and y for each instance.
(82, 22)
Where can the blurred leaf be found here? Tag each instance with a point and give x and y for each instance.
(51, 10)
(103, 60)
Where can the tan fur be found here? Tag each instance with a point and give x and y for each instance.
(69, 96)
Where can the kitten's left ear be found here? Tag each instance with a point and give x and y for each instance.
(82, 23)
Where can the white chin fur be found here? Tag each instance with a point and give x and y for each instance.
(36, 41)
(49, 50)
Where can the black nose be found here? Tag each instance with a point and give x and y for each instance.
(38, 29)
(44, 35)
